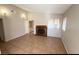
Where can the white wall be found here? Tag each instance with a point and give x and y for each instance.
(70, 36)
(14, 25)
(41, 20)
(44, 19)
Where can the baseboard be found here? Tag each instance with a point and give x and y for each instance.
(65, 46)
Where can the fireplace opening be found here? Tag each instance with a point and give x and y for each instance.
(41, 30)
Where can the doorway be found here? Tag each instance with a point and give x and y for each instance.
(1, 30)
(31, 27)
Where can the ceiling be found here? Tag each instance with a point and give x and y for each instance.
(45, 8)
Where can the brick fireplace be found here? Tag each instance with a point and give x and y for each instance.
(41, 30)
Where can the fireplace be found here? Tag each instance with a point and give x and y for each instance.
(41, 30)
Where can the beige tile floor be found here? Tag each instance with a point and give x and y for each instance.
(31, 44)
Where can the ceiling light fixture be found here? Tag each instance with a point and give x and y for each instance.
(23, 16)
(4, 12)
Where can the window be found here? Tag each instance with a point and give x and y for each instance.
(57, 24)
(64, 24)
(54, 23)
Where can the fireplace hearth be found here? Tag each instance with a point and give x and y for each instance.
(41, 30)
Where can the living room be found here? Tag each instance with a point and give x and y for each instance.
(39, 28)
